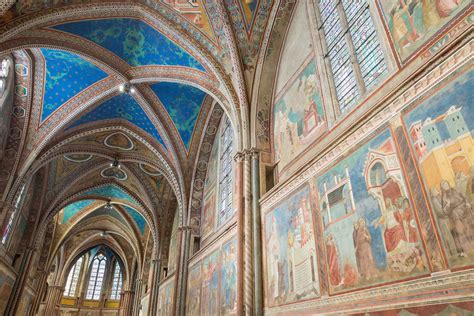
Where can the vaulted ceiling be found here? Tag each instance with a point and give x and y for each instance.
(113, 99)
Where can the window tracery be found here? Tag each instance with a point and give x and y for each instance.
(73, 278)
(96, 278)
(16, 207)
(116, 282)
(4, 74)
(352, 46)
(225, 174)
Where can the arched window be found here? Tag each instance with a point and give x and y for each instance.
(116, 283)
(16, 208)
(73, 278)
(4, 72)
(225, 177)
(96, 278)
(353, 48)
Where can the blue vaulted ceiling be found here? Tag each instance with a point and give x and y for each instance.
(137, 217)
(66, 74)
(133, 40)
(73, 208)
(183, 103)
(123, 107)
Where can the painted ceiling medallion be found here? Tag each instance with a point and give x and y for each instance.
(114, 173)
(149, 170)
(78, 157)
(119, 140)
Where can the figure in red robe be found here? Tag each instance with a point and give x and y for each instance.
(392, 220)
(333, 261)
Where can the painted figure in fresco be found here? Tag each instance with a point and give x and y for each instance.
(458, 209)
(443, 221)
(274, 252)
(393, 223)
(446, 7)
(470, 186)
(409, 225)
(403, 254)
(333, 261)
(231, 280)
(363, 249)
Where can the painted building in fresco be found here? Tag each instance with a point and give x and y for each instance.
(236, 157)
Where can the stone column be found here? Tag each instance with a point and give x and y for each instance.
(52, 299)
(239, 209)
(248, 238)
(137, 297)
(180, 301)
(257, 234)
(126, 298)
(20, 282)
(155, 287)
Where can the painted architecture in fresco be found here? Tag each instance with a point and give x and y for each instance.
(140, 131)
(291, 261)
(441, 132)
(298, 115)
(412, 23)
(370, 231)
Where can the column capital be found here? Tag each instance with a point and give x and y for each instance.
(255, 153)
(239, 156)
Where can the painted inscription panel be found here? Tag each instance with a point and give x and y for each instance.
(370, 230)
(291, 272)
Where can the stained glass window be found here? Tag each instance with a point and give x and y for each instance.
(225, 178)
(96, 278)
(116, 282)
(16, 207)
(4, 72)
(73, 278)
(353, 49)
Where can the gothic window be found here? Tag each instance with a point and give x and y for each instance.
(225, 177)
(352, 46)
(116, 282)
(96, 278)
(4, 72)
(73, 278)
(16, 207)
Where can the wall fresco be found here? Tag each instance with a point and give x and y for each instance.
(298, 116)
(291, 272)
(411, 24)
(193, 305)
(441, 132)
(6, 286)
(212, 282)
(172, 253)
(165, 298)
(370, 230)
(209, 209)
(228, 293)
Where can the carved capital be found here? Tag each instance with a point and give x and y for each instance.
(240, 156)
